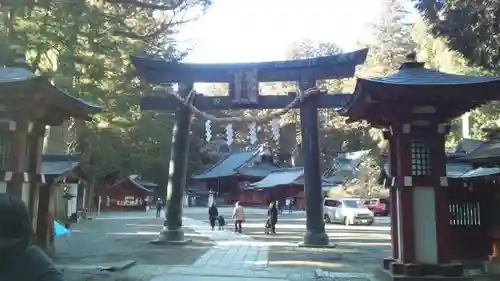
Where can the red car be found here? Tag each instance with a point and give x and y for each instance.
(379, 206)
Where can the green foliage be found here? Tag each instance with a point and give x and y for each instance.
(84, 48)
(390, 39)
(439, 52)
(469, 27)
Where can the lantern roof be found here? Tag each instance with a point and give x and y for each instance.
(19, 83)
(414, 73)
(386, 100)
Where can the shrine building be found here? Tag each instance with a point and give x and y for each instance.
(129, 193)
(234, 172)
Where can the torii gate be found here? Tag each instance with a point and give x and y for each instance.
(243, 79)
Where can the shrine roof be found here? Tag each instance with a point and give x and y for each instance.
(325, 184)
(55, 165)
(481, 172)
(134, 181)
(489, 149)
(158, 70)
(15, 80)
(466, 146)
(343, 168)
(349, 160)
(227, 166)
(284, 176)
(259, 170)
(344, 164)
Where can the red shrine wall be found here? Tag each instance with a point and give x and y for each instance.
(263, 196)
(419, 188)
(124, 196)
(232, 190)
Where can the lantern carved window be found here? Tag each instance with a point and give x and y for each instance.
(420, 158)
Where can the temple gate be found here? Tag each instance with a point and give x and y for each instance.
(415, 105)
(243, 79)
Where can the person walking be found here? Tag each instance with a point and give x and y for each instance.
(272, 215)
(222, 222)
(20, 258)
(238, 217)
(213, 214)
(288, 203)
(159, 206)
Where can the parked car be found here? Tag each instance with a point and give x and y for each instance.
(379, 206)
(348, 211)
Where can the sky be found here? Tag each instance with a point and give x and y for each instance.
(262, 30)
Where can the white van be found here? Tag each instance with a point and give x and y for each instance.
(347, 211)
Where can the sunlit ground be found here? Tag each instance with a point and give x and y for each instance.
(358, 248)
(114, 240)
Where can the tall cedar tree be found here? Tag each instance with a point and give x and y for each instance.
(470, 27)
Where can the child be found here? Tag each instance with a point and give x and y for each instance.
(222, 222)
(267, 227)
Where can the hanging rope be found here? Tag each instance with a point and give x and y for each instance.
(301, 96)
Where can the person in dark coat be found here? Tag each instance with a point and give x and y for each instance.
(20, 259)
(159, 206)
(213, 215)
(272, 215)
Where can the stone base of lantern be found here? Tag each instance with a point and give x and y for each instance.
(392, 270)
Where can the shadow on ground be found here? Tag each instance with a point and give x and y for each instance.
(97, 242)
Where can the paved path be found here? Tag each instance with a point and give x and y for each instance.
(242, 257)
(232, 249)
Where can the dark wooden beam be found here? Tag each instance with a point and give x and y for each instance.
(202, 102)
(159, 71)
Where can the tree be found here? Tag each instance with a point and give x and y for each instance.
(84, 48)
(336, 135)
(470, 27)
(467, 30)
(390, 39)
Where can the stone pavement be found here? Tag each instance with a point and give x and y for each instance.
(238, 256)
(233, 256)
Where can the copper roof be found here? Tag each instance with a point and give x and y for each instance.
(20, 81)
(414, 85)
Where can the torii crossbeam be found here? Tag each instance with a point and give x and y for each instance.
(243, 79)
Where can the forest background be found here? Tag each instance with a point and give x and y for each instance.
(83, 47)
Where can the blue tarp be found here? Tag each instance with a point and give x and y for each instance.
(61, 230)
